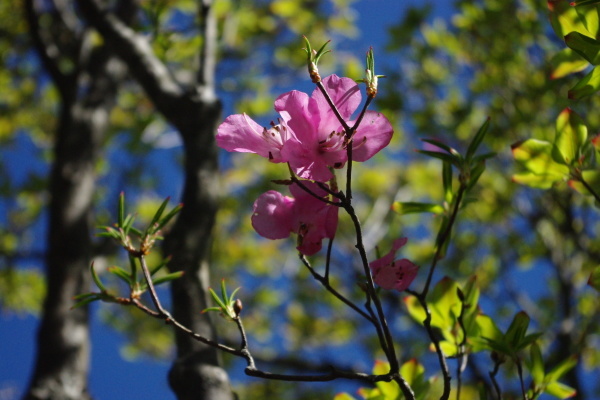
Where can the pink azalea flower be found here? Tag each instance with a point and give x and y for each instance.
(241, 133)
(319, 140)
(310, 137)
(390, 274)
(275, 216)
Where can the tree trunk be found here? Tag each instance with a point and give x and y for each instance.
(87, 95)
(195, 112)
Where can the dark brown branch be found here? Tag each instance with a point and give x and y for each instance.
(136, 52)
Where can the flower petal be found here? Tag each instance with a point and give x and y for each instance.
(273, 214)
(298, 111)
(389, 257)
(305, 160)
(344, 93)
(242, 134)
(398, 275)
(372, 135)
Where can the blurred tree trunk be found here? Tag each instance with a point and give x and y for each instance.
(87, 88)
(195, 112)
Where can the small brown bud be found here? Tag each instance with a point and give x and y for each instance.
(237, 307)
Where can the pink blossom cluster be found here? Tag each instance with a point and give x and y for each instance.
(309, 136)
(311, 139)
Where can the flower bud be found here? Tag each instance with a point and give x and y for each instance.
(237, 307)
(312, 60)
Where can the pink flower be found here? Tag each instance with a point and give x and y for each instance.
(310, 137)
(319, 140)
(275, 216)
(240, 133)
(390, 274)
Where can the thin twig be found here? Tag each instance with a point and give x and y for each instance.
(492, 375)
(589, 188)
(461, 359)
(325, 282)
(151, 288)
(445, 236)
(313, 194)
(328, 259)
(334, 108)
(520, 372)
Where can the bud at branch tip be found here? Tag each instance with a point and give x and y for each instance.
(312, 59)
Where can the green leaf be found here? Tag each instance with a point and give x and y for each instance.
(232, 296)
(444, 304)
(96, 278)
(409, 207)
(562, 368)
(566, 62)
(157, 215)
(560, 390)
(412, 371)
(415, 309)
(169, 216)
(477, 139)
(536, 366)
(85, 302)
(121, 209)
(121, 274)
(544, 181)
(585, 46)
(536, 156)
(452, 159)
(517, 330)
(168, 277)
(586, 2)
(571, 135)
(476, 172)
(447, 181)
(160, 266)
(594, 280)
(566, 19)
(217, 299)
(592, 178)
(390, 390)
(441, 145)
(587, 86)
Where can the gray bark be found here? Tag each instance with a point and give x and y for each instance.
(195, 112)
(87, 95)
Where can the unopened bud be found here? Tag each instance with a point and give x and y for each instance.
(237, 307)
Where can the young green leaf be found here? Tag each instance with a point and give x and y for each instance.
(121, 274)
(560, 390)
(409, 207)
(517, 330)
(164, 221)
(586, 2)
(586, 86)
(477, 140)
(536, 365)
(96, 278)
(157, 215)
(452, 159)
(447, 181)
(168, 277)
(121, 210)
(566, 19)
(571, 135)
(566, 62)
(585, 46)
